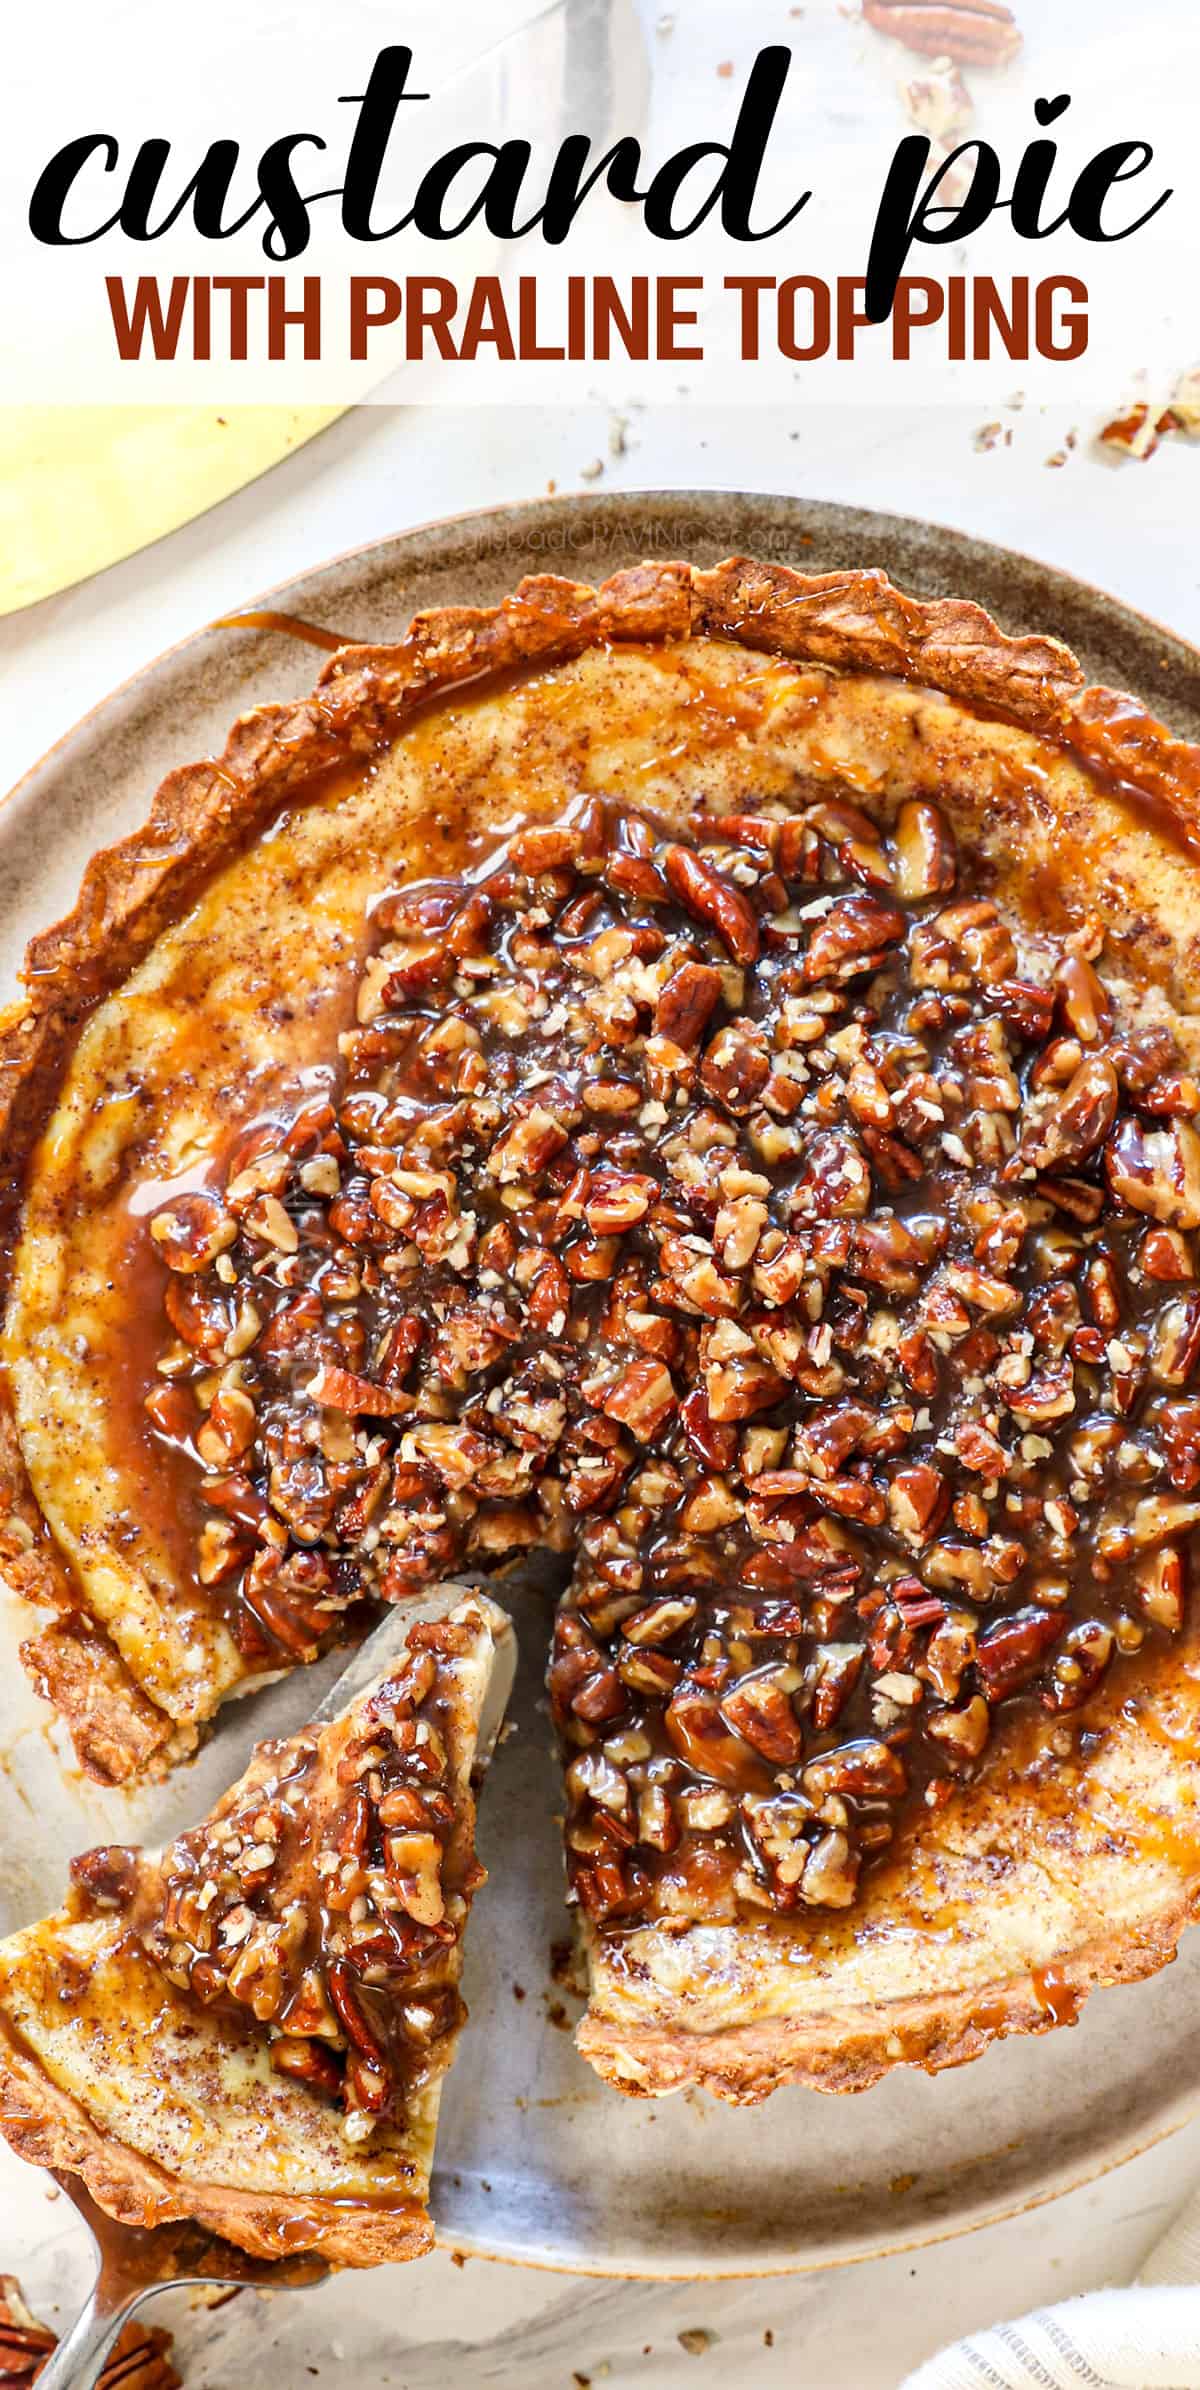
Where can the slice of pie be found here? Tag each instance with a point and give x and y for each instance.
(251, 2027)
(699, 1077)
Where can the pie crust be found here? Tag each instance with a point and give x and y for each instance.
(1077, 800)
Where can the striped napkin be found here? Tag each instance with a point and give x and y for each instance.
(1143, 2338)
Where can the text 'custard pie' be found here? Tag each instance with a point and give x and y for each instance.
(697, 1076)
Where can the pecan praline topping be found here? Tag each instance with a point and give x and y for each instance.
(774, 1222)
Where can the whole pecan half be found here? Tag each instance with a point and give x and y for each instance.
(1011, 1652)
(971, 32)
(709, 896)
(141, 2360)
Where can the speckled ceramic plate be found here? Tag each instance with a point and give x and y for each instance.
(537, 2159)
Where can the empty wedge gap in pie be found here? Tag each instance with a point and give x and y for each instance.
(699, 1078)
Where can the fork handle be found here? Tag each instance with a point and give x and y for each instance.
(79, 2359)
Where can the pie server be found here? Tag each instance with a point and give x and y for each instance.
(136, 2262)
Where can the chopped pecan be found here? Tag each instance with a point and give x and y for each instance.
(229, 1429)
(856, 840)
(964, 1732)
(191, 1231)
(368, 2076)
(544, 848)
(963, 943)
(1026, 1008)
(754, 830)
(1179, 1428)
(107, 1879)
(524, 1149)
(760, 1710)
(172, 1411)
(1075, 1123)
(1048, 1395)
(289, 1598)
(308, 2062)
(714, 1442)
(739, 1389)
(1161, 1581)
(838, 1666)
(642, 1399)
(341, 1390)
(865, 1769)
(1085, 1000)
(1175, 1350)
(1079, 1663)
(830, 1878)
(834, 1181)
(735, 1068)
(200, 1314)
(918, 1499)
(618, 1200)
(701, 1736)
(853, 936)
(887, 1254)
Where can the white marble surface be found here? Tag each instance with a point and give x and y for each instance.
(1132, 529)
(500, 2327)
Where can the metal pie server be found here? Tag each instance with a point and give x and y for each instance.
(135, 2263)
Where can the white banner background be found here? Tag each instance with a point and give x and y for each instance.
(252, 70)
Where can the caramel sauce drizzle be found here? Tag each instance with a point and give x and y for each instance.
(292, 626)
(1055, 1996)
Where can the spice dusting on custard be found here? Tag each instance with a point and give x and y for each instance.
(779, 1226)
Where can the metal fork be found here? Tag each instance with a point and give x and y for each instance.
(137, 2262)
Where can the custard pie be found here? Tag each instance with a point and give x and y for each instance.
(698, 1078)
(251, 2027)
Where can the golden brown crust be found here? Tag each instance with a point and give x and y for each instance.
(48, 2127)
(74, 1666)
(850, 2050)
